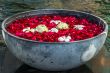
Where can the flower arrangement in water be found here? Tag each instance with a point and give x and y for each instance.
(54, 28)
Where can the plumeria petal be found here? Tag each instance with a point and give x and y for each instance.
(55, 21)
(79, 27)
(64, 39)
(26, 29)
(54, 30)
(32, 30)
(68, 37)
(67, 40)
(61, 39)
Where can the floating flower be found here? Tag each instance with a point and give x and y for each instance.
(62, 25)
(64, 39)
(68, 37)
(54, 30)
(79, 27)
(32, 30)
(27, 29)
(61, 39)
(55, 21)
(41, 28)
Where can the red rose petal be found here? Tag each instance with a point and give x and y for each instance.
(90, 30)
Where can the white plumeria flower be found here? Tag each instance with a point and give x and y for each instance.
(68, 37)
(61, 39)
(54, 30)
(79, 27)
(40, 28)
(55, 21)
(32, 30)
(64, 39)
(67, 40)
(26, 29)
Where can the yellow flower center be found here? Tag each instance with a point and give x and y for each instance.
(62, 25)
(41, 28)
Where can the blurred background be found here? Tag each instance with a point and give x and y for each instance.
(100, 64)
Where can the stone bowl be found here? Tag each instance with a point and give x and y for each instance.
(56, 56)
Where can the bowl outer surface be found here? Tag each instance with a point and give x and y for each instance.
(54, 56)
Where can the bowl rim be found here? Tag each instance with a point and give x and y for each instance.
(103, 32)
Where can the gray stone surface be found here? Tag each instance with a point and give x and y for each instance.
(8, 62)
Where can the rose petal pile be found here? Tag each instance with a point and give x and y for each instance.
(54, 28)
